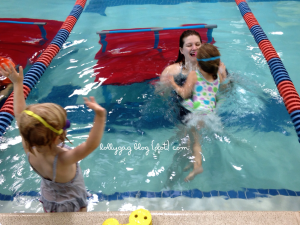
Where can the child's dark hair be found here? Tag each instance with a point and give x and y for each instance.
(212, 66)
(184, 35)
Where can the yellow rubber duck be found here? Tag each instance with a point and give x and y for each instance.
(111, 221)
(140, 217)
(137, 217)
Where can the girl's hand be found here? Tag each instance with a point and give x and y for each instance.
(11, 73)
(92, 104)
(222, 71)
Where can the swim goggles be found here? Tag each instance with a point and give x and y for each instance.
(30, 113)
(208, 59)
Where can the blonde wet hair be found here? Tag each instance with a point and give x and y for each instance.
(37, 134)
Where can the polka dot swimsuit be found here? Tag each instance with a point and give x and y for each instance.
(204, 95)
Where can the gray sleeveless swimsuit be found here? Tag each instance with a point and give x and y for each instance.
(63, 197)
(180, 79)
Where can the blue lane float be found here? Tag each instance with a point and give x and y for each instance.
(280, 75)
(39, 67)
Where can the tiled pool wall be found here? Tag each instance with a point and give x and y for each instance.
(245, 193)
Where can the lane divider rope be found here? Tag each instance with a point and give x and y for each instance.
(281, 77)
(41, 64)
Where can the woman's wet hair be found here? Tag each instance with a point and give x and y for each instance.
(184, 35)
(207, 51)
(34, 132)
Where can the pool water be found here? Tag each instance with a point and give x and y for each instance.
(257, 147)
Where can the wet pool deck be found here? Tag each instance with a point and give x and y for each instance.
(158, 218)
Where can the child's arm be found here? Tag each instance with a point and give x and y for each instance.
(222, 72)
(17, 79)
(185, 91)
(94, 138)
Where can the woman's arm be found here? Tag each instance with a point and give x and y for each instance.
(186, 90)
(163, 86)
(173, 70)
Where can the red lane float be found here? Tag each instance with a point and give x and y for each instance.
(39, 67)
(282, 80)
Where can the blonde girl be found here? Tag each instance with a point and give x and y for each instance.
(43, 131)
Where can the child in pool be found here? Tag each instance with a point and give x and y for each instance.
(199, 94)
(189, 43)
(43, 128)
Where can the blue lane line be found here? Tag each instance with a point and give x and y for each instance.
(185, 27)
(152, 29)
(128, 31)
(245, 193)
(17, 22)
(103, 42)
(156, 35)
(209, 35)
(43, 31)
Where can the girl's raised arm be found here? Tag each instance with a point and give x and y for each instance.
(94, 138)
(222, 72)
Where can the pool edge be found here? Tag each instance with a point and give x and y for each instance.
(158, 217)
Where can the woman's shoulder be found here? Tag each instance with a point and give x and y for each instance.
(174, 69)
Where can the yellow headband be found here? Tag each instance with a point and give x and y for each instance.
(30, 113)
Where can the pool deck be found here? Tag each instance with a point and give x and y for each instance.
(158, 218)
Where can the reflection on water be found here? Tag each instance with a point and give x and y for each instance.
(247, 105)
(244, 107)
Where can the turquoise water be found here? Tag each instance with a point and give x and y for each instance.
(257, 148)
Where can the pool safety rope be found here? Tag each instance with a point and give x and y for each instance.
(281, 77)
(41, 64)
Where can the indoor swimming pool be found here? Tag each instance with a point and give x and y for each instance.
(250, 163)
